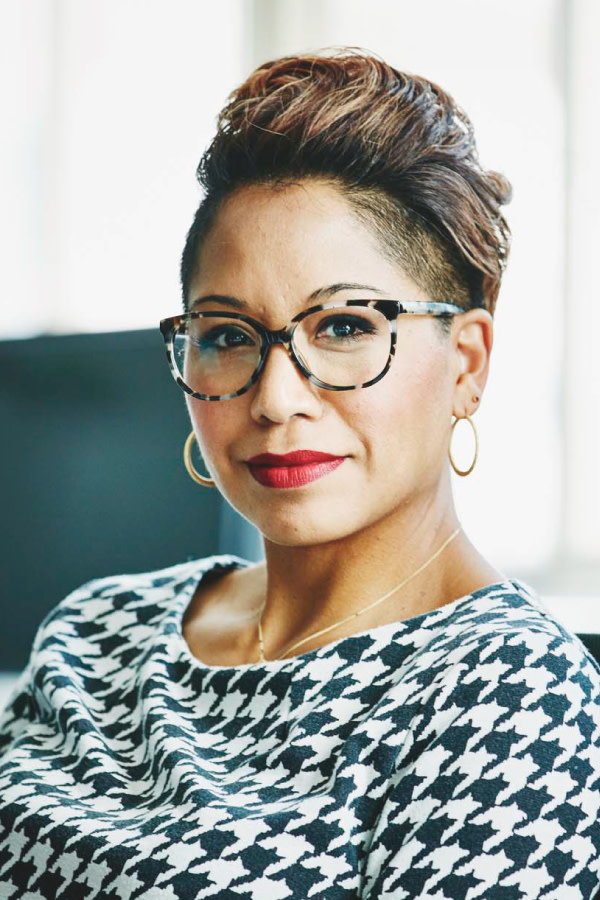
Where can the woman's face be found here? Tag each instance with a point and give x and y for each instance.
(272, 248)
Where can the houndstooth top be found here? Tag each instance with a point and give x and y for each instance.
(451, 756)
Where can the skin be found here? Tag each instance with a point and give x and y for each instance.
(340, 542)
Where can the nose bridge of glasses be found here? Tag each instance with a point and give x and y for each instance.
(281, 336)
(278, 336)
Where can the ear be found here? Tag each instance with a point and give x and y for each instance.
(472, 337)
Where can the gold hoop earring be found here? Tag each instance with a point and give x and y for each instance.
(472, 466)
(187, 458)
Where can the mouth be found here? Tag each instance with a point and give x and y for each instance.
(293, 476)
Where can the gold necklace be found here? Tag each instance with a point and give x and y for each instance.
(353, 615)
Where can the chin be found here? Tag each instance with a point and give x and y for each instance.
(305, 528)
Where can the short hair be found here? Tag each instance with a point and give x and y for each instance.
(399, 148)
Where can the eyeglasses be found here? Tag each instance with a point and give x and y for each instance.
(339, 346)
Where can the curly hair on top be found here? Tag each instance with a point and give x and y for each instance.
(399, 148)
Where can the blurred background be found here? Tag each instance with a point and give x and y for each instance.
(106, 107)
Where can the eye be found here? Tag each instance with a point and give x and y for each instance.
(345, 327)
(223, 337)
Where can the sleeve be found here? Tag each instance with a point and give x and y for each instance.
(22, 707)
(496, 795)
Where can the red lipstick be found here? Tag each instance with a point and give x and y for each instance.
(292, 469)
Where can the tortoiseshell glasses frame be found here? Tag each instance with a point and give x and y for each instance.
(391, 309)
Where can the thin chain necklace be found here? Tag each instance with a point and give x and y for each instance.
(353, 615)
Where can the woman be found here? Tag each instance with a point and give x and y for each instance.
(375, 710)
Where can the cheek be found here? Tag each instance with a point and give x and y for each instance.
(212, 424)
(405, 411)
(401, 394)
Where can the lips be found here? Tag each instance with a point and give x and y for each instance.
(292, 470)
(296, 458)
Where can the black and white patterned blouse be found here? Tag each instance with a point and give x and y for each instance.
(451, 756)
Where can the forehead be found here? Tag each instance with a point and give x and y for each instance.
(288, 241)
(297, 216)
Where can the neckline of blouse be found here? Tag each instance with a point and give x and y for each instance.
(228, 562)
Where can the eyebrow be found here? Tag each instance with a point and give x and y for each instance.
(322, 293)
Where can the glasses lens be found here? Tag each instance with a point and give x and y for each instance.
(215, 355)
(344, 347)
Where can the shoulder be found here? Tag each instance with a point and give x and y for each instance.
(97, 632)
(512, 680)
(116, 604)
(504, 740)
(511, 627)
(500, 663)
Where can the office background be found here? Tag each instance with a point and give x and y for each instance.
(107, 106)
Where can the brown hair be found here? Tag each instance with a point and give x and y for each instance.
(398, 146)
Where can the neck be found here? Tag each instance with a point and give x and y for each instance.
(305, 588)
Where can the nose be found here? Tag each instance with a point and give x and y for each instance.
(282, 390)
